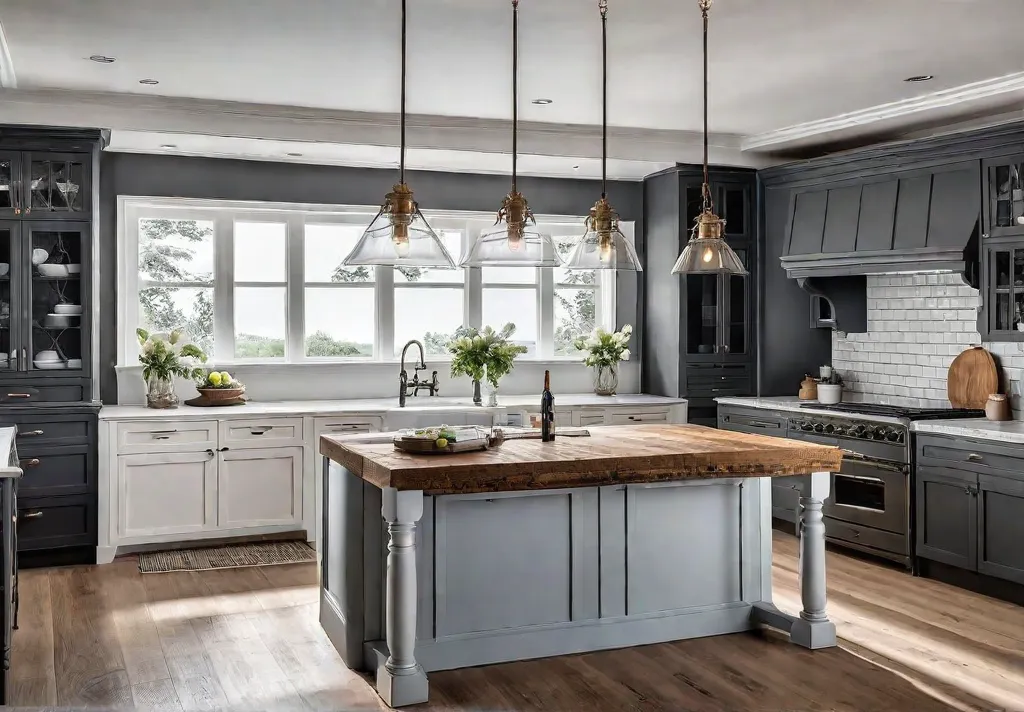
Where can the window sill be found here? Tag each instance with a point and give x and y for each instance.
(328, 363)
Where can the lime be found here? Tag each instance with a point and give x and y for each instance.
(441, 442)
(214, 379)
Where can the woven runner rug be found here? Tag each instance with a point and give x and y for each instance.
(264, 553)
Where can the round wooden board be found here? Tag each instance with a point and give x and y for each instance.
(972, 378)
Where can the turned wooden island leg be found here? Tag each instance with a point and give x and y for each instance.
(813, 629)
(401, 680)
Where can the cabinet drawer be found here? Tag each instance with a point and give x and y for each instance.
(181, 436)
(264, 432)
(585, 418)
(721, 389)
(43, 432)
(363, 424)
(63, 470)
(635, 417)
(19, 394)
(984, 458)
(712, 376)
(752, 423)
(53, 522)
(865, 536)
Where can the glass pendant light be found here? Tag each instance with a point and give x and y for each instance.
(707, 250)
(399, 235)
(603, 246)
(515, 240)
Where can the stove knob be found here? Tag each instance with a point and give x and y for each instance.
(806, 427)
(819, 428)
(893, 436)
(830, 428)
(878, 434)
(858, 431)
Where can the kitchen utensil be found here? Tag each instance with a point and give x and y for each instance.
(48, 270)
(808, 388)
(997, 407)
(5, 267)
(971, 378)
(74, 268)
(60, 321)
(830, 393)
(68, 309)
(39, 256)
(49, 365)
(74, 363)
(825, 372)
(47, 355)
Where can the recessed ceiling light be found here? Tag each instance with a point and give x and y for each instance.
(294, 155)
(920, 78)
(102, 59)
(148, 82)
(168, 145)
(543, 102)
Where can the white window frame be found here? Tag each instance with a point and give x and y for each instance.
(225, 213)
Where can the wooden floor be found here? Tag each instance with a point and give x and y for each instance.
(109, 636)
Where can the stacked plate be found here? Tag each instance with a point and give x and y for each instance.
(48, 361)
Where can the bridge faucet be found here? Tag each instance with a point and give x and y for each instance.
(404, 387)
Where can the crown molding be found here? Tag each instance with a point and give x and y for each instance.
(131, 112)
(963, 94)
(8, 80)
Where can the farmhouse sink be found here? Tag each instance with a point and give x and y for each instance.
(421, 416)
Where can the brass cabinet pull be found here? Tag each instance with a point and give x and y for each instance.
(32, 515)
(29, 463)
(974, 457)
(19, 395)
(27, 433)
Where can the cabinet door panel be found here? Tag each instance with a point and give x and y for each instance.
(10, 296)
(166, 494)
(1004, 204)
(947, 516)
(10, 181)
(1001, 527)
(60, 470)
(56, 185)
(259, 487)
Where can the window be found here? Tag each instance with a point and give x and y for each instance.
(264, 283)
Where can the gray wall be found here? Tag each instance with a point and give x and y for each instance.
(172, 176)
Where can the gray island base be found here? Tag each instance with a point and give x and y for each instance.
(635, 535)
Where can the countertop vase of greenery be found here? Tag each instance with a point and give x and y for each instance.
(163, 358)
(603, 350)
(486, 354)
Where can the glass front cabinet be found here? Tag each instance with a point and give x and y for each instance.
(38, 185)
(1001, 317)
(44, 314)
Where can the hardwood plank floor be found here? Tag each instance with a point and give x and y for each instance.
(109, 636)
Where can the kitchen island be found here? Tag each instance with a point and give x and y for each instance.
(634, 535)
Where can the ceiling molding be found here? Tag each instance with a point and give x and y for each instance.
(132, 112)
(864, 118)
(8, 80)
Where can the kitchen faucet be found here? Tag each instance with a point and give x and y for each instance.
(405, 388)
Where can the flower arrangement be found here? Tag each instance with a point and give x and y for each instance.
(484, 354)
(163, 357)
(602, 351)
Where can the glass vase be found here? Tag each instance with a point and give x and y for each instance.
(606, 379)
(492, 396)
(160, 393)
(477, 400)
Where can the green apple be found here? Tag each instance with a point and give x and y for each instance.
(214, 379)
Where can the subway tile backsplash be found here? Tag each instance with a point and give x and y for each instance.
(917, 324)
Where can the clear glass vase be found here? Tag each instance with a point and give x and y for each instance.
(606, 379)
(492, 396)
(160, 393)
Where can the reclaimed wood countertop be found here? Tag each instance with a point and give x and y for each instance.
(621, 454)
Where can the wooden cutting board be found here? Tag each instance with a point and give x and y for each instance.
(972, 378)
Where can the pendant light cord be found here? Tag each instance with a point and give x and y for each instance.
(515, 88)
(603, 6)
(401, 160)
(705, 5)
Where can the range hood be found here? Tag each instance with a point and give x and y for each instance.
(920, 221)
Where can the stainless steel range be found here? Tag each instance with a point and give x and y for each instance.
(871, 506)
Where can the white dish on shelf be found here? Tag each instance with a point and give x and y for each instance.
(5, 267)
(47, 355)
(68, 309)
(59, 321)
(49, 270)
(74, 363)
(49, 365)
(74, 268)
(39, 255)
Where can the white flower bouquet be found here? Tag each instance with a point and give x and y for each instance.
(603, 350)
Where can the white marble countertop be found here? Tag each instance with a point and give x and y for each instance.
(6, 445)
(375, 406)
(795, 405)
(1009, 431)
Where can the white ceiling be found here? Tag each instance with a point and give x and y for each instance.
(782, 71)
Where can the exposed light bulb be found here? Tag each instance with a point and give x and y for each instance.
(402, 247)
(515, 238)
(605, 252)
(708, 254)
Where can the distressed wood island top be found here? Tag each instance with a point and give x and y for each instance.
(611, 455)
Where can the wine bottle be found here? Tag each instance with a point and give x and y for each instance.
(547, 411)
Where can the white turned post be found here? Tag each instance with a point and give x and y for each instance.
(401, 680)
(813, 629)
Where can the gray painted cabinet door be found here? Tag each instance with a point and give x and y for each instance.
(947, 516)
(1001, 527)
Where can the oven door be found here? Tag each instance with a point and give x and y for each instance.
(869, 492)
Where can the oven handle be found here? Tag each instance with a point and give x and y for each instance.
(880, 464)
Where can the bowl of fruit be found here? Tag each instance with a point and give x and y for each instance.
(220, 386)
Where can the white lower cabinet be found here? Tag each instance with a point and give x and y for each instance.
(259, 487)
(169, 493)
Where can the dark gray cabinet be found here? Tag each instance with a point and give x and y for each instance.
(1004, 197)
(1002, 255)
(947, 516)
(1001, 527)
(699, 337)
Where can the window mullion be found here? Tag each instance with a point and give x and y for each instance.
(295, 293)
(223, 287)
(474, 298)
(385, 298)
(546, 312)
